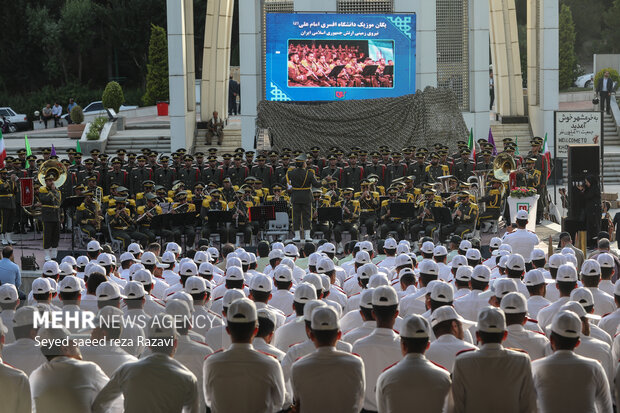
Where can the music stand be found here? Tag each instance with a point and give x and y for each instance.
(157, 222)
(329, 214)
(388, 70)
(71, 203)
(402, 210)
(442, 215)
(262, 214)
(369, 70)
(335, 71)
(218, 217)
(279, 206)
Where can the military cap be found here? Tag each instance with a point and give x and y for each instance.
(486, 152)
(120, 199)
(121, 151)
(132, 155)
(276, 187)
(348, 190)
(188, 158)
(121, 189)
(227, 179)
(212, 150)
(103, 156)
(375, 154)
(150, 196)
(363, 152)
(239, 150)
(315, 149)
(89, 161)
(199, 155)
(182, 150)
(212, 184)
(285, 156)
(85, 193)
(227, 156)
(95, 152)
(530, 160)
(164, 158)
(148, 182)
(352, 155)
(211, 158)
(261, 157)
(180, 195)
(141, 157)
(297, 152)
(46, 151)
(31, 158)
(65, 162)
(466, 151)
(250, 153)
(507, 140)
(434, 155)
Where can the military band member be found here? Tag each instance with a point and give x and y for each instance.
(213, 202)
(228, 191)
(390, 222)
(7, 205)
(147, 187)
(333, 171)
(350, 216)
(116, 176)
(493, 201)
(320, 200)
(277, 194)
(122, 225)
(50, 200)
(418, 168)
(164, 175)
(188, 173)
(238, 172)
(145, 215)
(211, 171)
(395, 170)
(262, 170)
(485, 162)
(464, 217)
(463, 168)
(139, 174)
(241, 217)
(182, 206)
(353, 173)
(426, 219)
(89, 215)
(88, 171)
(375, 168)
(301, 181)
(369, 203)
(435, 169)
(282, 169)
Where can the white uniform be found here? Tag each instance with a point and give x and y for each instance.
(490, 377)
(567, 382)
(379, 350)
(545, 315)
(65, 384)
(156, 384)
(607, 287)
(413, 303)
(536, 303)
(24, 354)
(159, 288)
(522, 242)
(337, 376)
(603, 302)
(445, 272)
(73, 310)
(261, 345)
(413, 381)
(460, 293)
(171, 278)
(303, 349)
(290, 334)
(610, 323)
(204, 320)
(535, 344)
(468, 305)
(108, 357)
(15, 390)
(362, 331)
(336, 295)
(7, 320)
(217, 338)
(88, 302)
(443, 350)
(283, 301)
(241, 367)
(598, 350)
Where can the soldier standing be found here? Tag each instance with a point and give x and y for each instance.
(301, 181)
(263, 171)
(139, 174)
(50, 200)
(7, 205)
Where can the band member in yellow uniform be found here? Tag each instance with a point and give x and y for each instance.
(241, 221)
(391, 223)
(145, 216)
(50, 200)
(493, 201)
(369, 203)
(350, 216)
(122, 225)
(89, 215)
(213, 203)
(464, 217)
(426, 220)
(181, 206)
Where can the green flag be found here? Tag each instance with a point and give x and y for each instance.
(470, 142)
(78, 149)
(28, 151)
(517, 147)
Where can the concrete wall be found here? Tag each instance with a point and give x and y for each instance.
(478, 116)
(602, 61)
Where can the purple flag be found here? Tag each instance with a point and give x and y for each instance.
(492, 142)
(53, 151)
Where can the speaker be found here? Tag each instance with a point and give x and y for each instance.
(583, 161)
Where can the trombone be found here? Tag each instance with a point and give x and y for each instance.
(47, 166)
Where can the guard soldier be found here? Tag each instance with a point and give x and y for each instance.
(188, 174)
(139, 174)
(485, 163)
(32, 169)
(396, 169)
(89, 215)
(211, 171)
(249, 159)
(88, 171)
(263, 171)
(238, 172)
(164, 175)
(426, 218)
(7, 205)
(77, 166)
(94, 154)
(103, 169)
(131, 161)
(369, 203)
(50, 200)
(435, 169)
(350, 216)
(120, 154)
(375, 168)
(117, 176)
(146, 213)
(332, 170)
(418, 169)
(152, 162)
(282, 169)
(181, 206)
(493, 201)
(463, 168)
(148, 188)
(301, 181)
(353, 174)
(228, 192)
(213, 203)
(464, 217)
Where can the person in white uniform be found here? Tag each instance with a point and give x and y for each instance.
(336, 375)
(611, 321)
(24, 354)
(565, 282)
(468, 305)
(521, 240)
(515, 308)
(9, 301)
(448, 328)
(282, 298)
(493, 375)
(217, 337)
(591, 277)
(155, 383)
(566, 381)
(536, 285)
(368, 324)
(608, 269)
(294, 331)
(414, 378)
(14, 384)
(264, 337)
(242, 367)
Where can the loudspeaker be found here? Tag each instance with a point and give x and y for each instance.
(583, 161)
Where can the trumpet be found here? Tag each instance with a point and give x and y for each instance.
(141, 217)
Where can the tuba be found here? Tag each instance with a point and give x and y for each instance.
(503, 165)
(52, 165)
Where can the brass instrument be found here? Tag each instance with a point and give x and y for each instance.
(176, 187)
(503, 166)
(137, 220)
(98, 195)
(445, 181)
(47, 166)
(479, 186)
(174, 210)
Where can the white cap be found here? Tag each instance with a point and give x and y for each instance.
(174, 247)
(288, 261)
(149, 258)
(503, 286)
(283, 273)
(234, 274)
(583, 296)
(104, 259)
(200, 257)
(465, 245)
(430, 267)
(134, 248)
(69, 259)
(93, 246)
(568, 251)
(94, 268)
(522, 214)
(213, 253)
(377, 280)
(168, 258)
(503, 261)
(591, 268)
(260, 282)
(41, 286)
(314, 279)
(537, 254)
(473, 254)
(366, 271)
(233, 261)
(8, 293)
(362, 257)
(277, 246)
(463, 273)
(495, 242)
(402, 249)
(135, 267)
(69, 284)
(162, 326)
(267, 314)
(188, 269)
(606, 260)
(440, 251)
(253, 259)
(133, 290)
(325, 281)
(310, 307)
(205, 268)
(491, 320)
(566, 324)
(481, 273)
(291, 250)
(197, 285)
(24, 316)
(276, 253)
(556, 260)
(571, 259)
(314, 259)
(244, 257)
(366, 246)
(458, 261)
(415, 326)
(51, 268)
(533, 277)
(390, 244)
(384, 296)
(325, 265)
(182, 295)
(304, 292)
(231, 295)
(403, 259)
(442, 292)
(514, 303)
(108, 291)
(82, 260)
(515, 262)
(505, 247)
(445, 313)
(143, 276)
(427, 247)
(325, 319)
(66, 269)
(366, 298)
(178, 308)
(566, 273)
(127, 256)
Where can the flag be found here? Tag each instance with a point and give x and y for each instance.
(53, 153)
(28, 150)
(78, 148)
(517, 153)
(471, 144)
(492, 142)
(2, 151)
(547, 156)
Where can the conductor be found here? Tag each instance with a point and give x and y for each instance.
(300, 181)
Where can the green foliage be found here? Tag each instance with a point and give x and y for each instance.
(611, 35)
(613, 74)
(77, 115)
(113, 96)
(568, 58)
(95, 128)
(157, 76)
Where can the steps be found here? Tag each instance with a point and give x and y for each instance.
(134, 139)
(232, 138)
(511, 130)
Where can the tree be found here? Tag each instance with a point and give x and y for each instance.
(611, 34)
(157, 68)
(77, 19)
(113, 96)
(568, 58)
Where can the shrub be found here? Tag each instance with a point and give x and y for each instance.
(77, 115)
(613, 74)
(113, 96)
(95, 128)
(157, 88)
